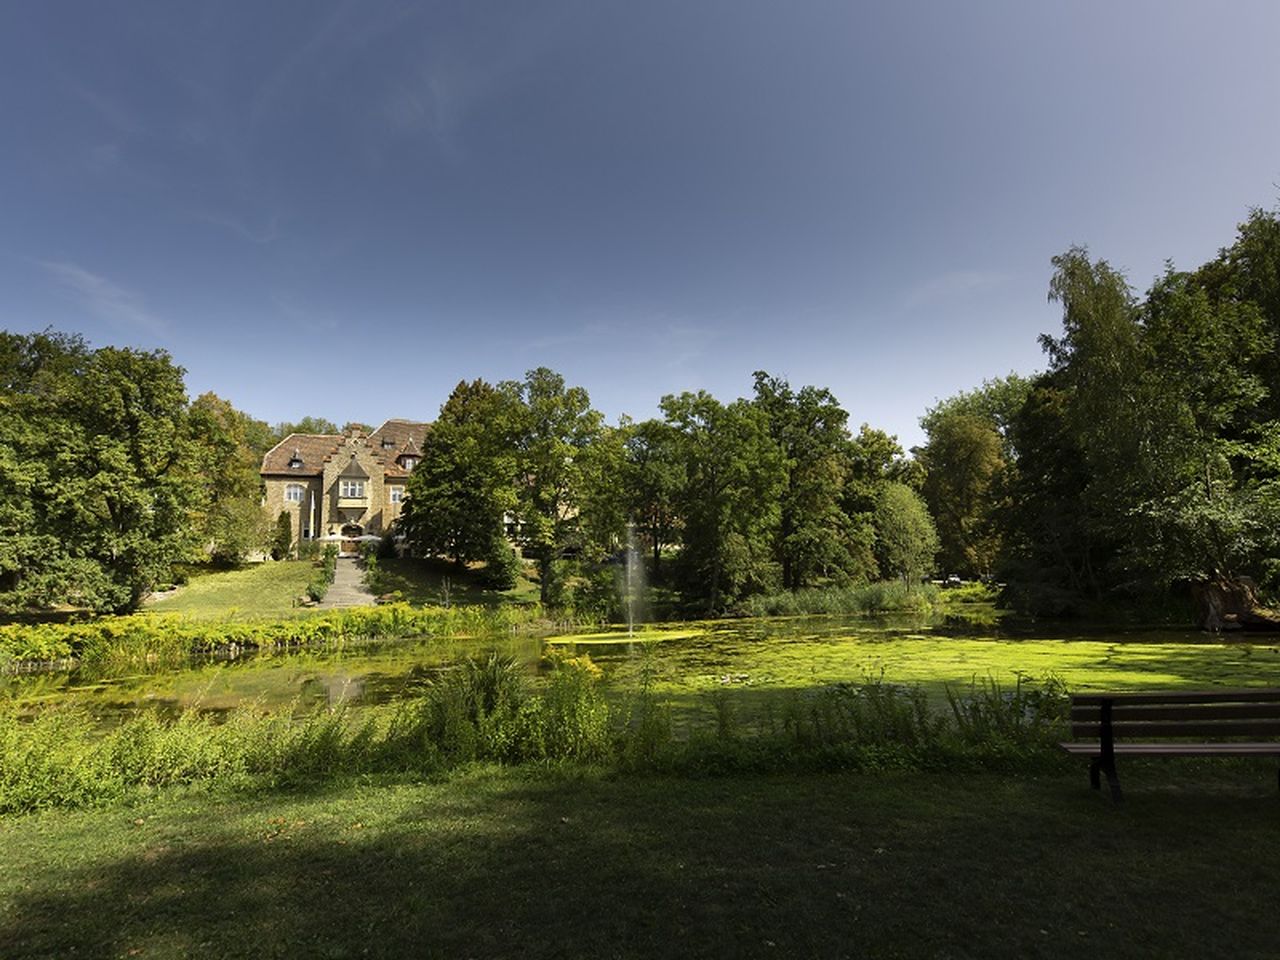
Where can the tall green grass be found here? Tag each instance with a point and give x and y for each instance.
(888, 596)
(482, 711)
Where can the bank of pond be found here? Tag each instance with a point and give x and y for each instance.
(764, 693)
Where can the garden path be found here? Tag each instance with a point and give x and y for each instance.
(347, 589)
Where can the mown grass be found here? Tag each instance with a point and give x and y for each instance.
(435, 581)
(490, 862)
(255, 592)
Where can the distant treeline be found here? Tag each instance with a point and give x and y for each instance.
(1146, 456)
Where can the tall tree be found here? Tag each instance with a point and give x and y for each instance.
(963, 461)
(734, 476)
(228, 519)
(810, 431)
(100, 468)
(655, 479)
(906, 541)
(558, 428)
(460, 494)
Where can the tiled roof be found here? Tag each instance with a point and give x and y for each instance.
(310, 448)
(393, 439)
(390, 438)
(396, 438)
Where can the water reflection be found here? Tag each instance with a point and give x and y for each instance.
(680, 661)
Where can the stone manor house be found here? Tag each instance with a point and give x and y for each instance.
(341, 489)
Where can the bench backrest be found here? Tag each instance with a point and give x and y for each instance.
(1178, 713)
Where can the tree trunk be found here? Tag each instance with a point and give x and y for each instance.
(1232, 604)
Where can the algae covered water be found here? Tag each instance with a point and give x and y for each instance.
(750, 661)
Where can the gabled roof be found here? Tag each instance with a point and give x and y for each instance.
(310, 448)
(353, 470)
(391, 441)
(388, 440)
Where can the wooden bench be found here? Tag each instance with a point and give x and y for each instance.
(1163, 723)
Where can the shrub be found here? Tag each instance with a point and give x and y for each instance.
(282, 540)
(503, 569)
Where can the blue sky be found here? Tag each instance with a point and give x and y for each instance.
(343, 208)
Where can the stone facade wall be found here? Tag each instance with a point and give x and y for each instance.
(274, 501)
(374, 516)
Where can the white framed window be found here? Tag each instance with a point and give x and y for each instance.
(351, 489)
(395, 494)
(409, 462)
(293, 492)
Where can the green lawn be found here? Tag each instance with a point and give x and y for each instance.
(262, 591)
(267, 591)
(429, 581)
(494, 863)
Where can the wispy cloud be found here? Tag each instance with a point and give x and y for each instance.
(342, 32)
(104, 156)
(953, 285)
(116, 115)
(672, 343)
(105, 299)
(270, 232)
(302, 316)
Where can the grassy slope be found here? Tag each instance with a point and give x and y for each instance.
(422, 581)
(496, 863)
(261, 591)
(267, 591)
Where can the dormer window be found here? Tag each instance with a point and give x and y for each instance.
(295, 462)
(387, 443)
(408, 462)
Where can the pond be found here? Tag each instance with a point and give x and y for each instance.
(751, 661)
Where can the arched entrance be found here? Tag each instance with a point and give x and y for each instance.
(350, 543)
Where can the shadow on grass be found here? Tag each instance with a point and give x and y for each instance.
(431, 581)
(796, 866)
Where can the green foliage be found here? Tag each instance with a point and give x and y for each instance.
(98, 472)
(314, 425)
(734, 475)
(148, 639)
(318, 588)
(1144, 456)
(655, 478)
(557, 441)
(906, 541)
(459, 495)
(815, 538)
(282, 540)
(228, 522)
(503, 567)
(963, 466)
(888, 596)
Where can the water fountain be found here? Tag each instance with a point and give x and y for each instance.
(633, 585)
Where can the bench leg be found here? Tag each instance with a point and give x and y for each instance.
(1113, 781)
(1099, 766)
